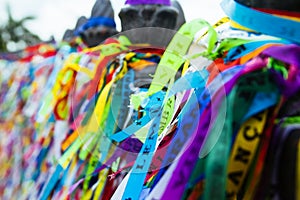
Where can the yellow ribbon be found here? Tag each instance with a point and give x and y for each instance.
(243, 152)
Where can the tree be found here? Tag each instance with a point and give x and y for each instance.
(14, 35)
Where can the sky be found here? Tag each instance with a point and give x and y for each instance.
(53, 17)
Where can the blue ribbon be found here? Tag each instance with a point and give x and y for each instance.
(155, 100)
(94, 22)
(242, 50)
(262, 22)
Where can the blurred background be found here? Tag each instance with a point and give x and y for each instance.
(27, 22)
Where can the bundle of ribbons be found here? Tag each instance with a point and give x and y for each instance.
(218, 120)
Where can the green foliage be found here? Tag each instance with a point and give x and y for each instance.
(14, 35)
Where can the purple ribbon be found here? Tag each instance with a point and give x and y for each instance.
(128, 148)
(142, 2)
(287, 53)
(189, 158)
